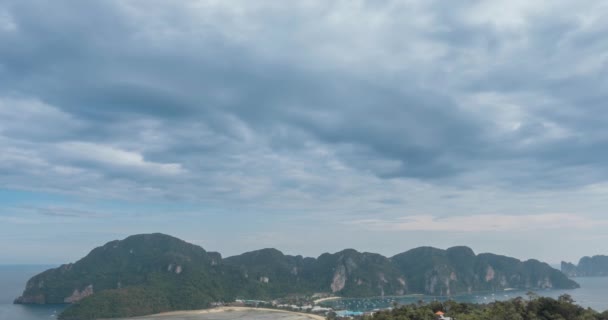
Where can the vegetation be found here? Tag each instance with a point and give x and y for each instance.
(119, 303)
(537, 308)
(459, 270)
(596, 266)
(421, 270)
(150, 273)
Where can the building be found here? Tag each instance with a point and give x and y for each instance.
(441, 316)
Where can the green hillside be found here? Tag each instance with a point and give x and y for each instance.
(151, 273)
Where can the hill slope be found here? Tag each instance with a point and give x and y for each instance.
(139, 275)
(152, 273)
(596, 266)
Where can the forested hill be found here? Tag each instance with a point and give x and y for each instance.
(596, 266)
(152, 273)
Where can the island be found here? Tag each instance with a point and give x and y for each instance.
(154, 273)
(596, 266)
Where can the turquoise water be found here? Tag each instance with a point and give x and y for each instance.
(593, 293)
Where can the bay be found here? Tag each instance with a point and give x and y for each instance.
(12, 283)
(593, 293)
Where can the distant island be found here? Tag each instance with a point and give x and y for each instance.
(596, 266)
(153, 273)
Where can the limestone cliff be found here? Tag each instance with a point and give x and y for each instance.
(155, 272)
(596, 266)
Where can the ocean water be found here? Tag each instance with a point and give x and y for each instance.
(12, 283)
(593, 293)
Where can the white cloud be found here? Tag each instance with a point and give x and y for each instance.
(6, 22)
(114, 157)
(482, 223)
(505, 14)
(30, 117)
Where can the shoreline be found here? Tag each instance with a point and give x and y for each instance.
(326, 299)
(227, 309)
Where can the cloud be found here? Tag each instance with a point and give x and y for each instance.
(31, 119)
(482, 223)
(315, 112)
(467, 106)
(448, 95)
(65, 212)
(114, 157)
(6, 22)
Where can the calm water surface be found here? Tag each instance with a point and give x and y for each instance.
(593, 293)
(12, 283)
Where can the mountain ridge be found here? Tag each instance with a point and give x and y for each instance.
(153, 273)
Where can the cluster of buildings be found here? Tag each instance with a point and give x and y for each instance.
(305, 308)
(309, 308)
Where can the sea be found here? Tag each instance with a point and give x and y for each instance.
(593, 293)
(12, 283)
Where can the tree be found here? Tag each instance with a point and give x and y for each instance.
(565, 298)
(531, 295)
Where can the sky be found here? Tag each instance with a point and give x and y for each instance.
(308, 126)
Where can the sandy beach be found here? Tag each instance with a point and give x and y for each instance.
(326, 299)
(231, 313)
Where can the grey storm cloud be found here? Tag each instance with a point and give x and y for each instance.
(138, 93)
